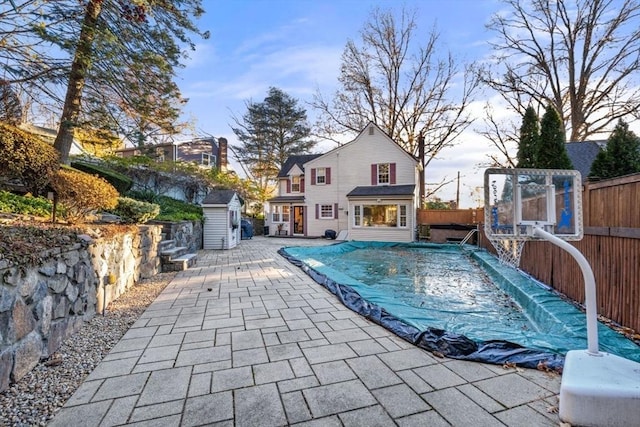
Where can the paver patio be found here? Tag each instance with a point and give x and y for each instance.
(245, 338)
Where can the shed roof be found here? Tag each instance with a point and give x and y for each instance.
(219, 197)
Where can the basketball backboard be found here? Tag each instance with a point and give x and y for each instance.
(516, 200)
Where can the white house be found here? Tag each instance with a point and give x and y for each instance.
(221, 229)
(364, 190)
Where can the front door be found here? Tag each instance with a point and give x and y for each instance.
(298, 220)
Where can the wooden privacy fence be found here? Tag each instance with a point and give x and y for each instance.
(611, 244)
(450, 216)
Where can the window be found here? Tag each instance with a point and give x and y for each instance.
(285, 213)
(383, 173)
(295, 184)
(391, 216)
(326, 211)
(208, 160)
(321, 176)
(275, 213)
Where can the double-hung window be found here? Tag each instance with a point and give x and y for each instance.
(384, 173)
(321, 176)
(275, 213)
(295, 184)
(326, 212)
(285, 213)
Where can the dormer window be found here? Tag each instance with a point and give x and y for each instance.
(295, 184)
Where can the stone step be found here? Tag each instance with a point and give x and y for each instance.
(166, 245)
(180, 263)
(169, 254)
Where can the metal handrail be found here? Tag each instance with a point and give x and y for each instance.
(468, 236)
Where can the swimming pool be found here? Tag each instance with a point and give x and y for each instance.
(461, 303)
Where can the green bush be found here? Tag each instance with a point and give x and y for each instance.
(177, 210)
(24, 205)
(121, 182)
(144, 195)
(82, 194)
(133, 211)
(26, 158)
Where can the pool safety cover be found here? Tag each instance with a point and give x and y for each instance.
(462, 304)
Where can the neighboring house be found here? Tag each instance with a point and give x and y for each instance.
(363, 190)
(205, 152)
(49, 135)
(582, 155)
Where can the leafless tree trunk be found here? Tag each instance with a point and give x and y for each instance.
(581, 56)
(81, 63)
(405, 89)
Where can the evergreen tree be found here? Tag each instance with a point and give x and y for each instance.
(270, 132)
(114, 62)
(529, 139)
(620, 157)
(552, 152)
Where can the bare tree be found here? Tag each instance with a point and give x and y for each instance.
(407, 89)
(581, 56)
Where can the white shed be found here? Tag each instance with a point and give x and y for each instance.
(221, 219)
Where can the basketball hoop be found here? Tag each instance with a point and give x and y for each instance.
(519, 200)
(509, 251)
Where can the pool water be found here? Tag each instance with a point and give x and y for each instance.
(460, 300)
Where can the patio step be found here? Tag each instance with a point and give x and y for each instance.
(180, 263)
(175, 258)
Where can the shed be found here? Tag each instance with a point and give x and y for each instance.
(221, 228)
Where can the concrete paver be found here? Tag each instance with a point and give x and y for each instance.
(247, 339)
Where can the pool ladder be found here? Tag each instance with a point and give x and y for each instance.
(468, 236)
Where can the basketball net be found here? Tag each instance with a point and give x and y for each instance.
(509, 251)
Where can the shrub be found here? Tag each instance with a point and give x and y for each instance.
(121, 182)
(24, 205)
(144, 195)
(177, 210)
(26, 158)
(133, 211)
(82, 194)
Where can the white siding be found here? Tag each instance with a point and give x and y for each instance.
(217, 230)
(351, 167)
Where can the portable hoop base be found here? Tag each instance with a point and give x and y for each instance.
(601, 390)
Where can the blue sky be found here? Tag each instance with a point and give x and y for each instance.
(296, 45)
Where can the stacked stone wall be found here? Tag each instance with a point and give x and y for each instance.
(185, 233)
(42, 305)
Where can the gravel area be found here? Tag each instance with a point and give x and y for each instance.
(35, 399)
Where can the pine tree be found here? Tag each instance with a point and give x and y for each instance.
(270, 132)
(552, 152)
(529, 139)
(620, 157)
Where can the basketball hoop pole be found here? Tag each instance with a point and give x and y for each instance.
(589, 287)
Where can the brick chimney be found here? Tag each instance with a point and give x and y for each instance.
(222, 154)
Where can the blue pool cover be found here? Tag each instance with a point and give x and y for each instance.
(460, 303)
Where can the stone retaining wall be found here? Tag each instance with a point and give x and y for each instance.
(185, 233)
(41, 306)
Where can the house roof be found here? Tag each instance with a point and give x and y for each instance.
(582, 155)
(299, 160)
(287, 199)
(383, 190)
(219, 197)
(370, 124)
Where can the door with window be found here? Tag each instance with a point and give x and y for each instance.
(298, 220)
